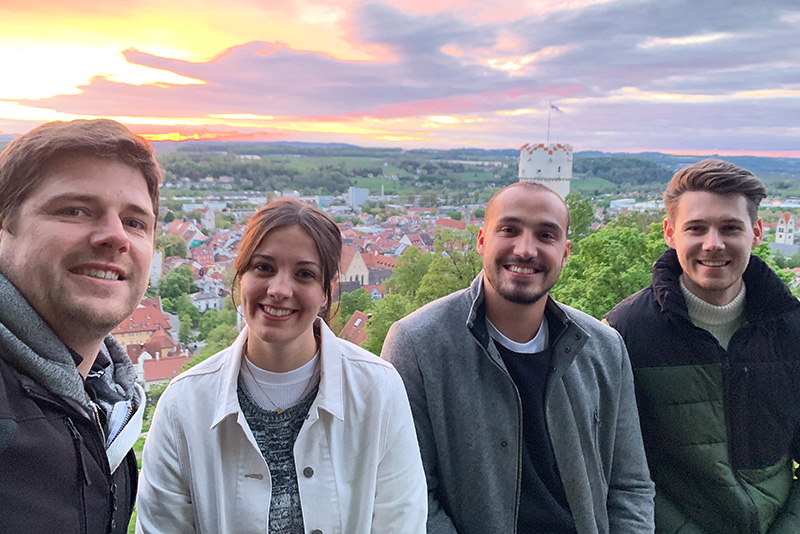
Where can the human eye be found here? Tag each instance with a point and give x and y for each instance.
(135, 224)
(262, 268)
(307, 274)
(507, 230)
(73, 211)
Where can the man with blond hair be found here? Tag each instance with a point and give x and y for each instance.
(713, 342)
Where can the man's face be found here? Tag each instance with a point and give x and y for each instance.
(713, 236)
(524, 244)
(79, 247)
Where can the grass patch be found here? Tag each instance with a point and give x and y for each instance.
(593, 186)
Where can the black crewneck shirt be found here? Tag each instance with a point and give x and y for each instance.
(543, 507)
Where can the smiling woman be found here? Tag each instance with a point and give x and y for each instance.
(290, 429)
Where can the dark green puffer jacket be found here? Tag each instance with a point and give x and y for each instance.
(721, 428)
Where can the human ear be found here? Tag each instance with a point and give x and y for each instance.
(669, 233)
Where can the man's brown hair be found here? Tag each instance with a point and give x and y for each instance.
(715, 176)
(26, 160)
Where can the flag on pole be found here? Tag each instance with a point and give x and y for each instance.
(555, 108)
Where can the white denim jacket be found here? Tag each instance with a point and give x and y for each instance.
(357, 458)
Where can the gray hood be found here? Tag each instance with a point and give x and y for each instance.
(31, 346)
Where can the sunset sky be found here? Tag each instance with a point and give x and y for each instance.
(688, 77)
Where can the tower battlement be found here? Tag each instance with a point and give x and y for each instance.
(549, 164)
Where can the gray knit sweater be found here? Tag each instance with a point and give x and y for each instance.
(275, 434)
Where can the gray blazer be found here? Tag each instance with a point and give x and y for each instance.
(468, 417)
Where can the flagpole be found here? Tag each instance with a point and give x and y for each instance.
(549, 111)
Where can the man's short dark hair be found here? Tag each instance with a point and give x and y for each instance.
(26, 160)
(715, 176)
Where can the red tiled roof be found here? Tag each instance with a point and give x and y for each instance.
(379, 261)
(348, 253)
(164, 368)
(447, 222)
(355, 331)
(143, 319)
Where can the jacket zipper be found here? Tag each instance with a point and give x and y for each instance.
(519, 437)
(77, 442)
(98, 424)
(103, 462)
(112, 486)
(752, 509)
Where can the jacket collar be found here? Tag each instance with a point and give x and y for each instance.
(566, 337)
(329, 398)
(767, 296)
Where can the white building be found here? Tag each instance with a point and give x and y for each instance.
(784, 232)
(357, 196)
(550, 165)
(156, 268)
(207, 301)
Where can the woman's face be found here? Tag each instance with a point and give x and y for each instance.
(281, 292)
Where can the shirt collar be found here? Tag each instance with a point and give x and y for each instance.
(101, 362)
(330, 395)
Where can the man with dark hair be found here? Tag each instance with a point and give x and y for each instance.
(78, 205)
(524, 407)
(713, 343)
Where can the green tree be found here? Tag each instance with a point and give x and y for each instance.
(428, 199)
(169, 217)
(455, 264)
(386, 311)
(184, 306)
(613, 263)
(358, 300)
(642, 219)
(581, 216)
(411, 266)
(210, 319)
(172, 245)
(479, 213)
(764, 252)
(177, 282)
(455, 215)
(185, 335)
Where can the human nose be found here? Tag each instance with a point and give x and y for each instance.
(110, 232)
(712, 240)
(280, 286)
(525, 245)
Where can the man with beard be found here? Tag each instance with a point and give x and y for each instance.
(78, 205)
(524, 407)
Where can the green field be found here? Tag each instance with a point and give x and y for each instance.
(307, 164)
(592, 186)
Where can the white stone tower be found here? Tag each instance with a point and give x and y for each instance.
(550, 165)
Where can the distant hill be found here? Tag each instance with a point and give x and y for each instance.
(761, 166)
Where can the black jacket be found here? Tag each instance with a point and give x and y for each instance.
(54, 472)
(54, 465)
(720, 427)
